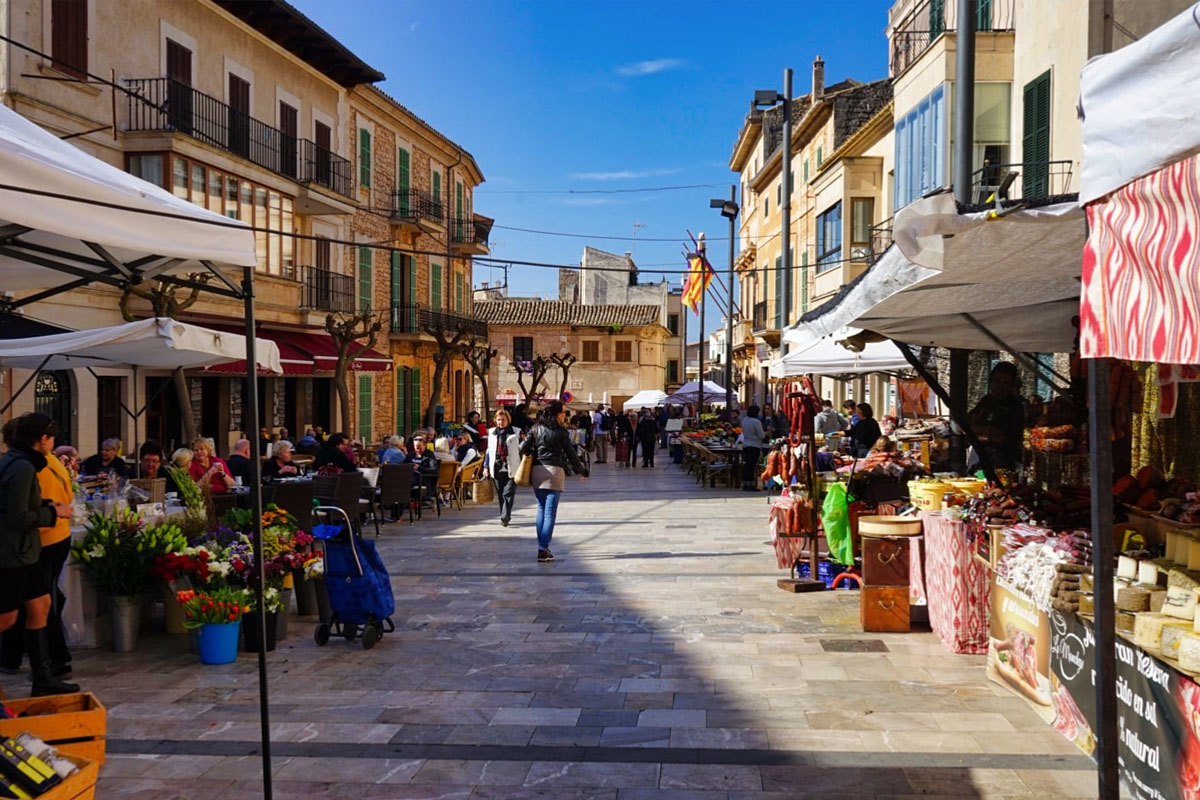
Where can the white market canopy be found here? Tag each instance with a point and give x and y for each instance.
(646, 398)
(68, 218)
(157, 343)
(690, 393)
(827, 356)
(966, 280)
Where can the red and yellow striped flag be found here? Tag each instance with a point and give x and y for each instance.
(698, 279)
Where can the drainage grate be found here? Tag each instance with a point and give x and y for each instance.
(853, 646)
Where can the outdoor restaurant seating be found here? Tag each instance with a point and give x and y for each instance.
(394, 490)
(466, 476)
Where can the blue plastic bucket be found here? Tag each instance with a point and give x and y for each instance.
(219, 643)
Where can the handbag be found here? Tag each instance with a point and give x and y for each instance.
(524, 471)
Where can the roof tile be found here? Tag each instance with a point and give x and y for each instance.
(557, 312)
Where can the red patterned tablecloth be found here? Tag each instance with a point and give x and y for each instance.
(956, 586)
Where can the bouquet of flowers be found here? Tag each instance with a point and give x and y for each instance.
(191, 563)
(217, 607)
(119, 551)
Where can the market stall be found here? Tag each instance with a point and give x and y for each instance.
(646, 398)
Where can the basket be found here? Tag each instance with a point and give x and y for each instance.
(481, 492)
(155, 487)
(75, 724)
(927, 495)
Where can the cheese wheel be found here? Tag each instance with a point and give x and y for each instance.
(1127, 568)
(1193, 559)
(1147, 573)
(1148, 628)
(1087, 604)
(1125, 621)
(1118, 585)
(1157, 598)
(1181, 577)
(1180, 603)
(1172, 635)
(1134, 598)
(1189, 652)
(1085, 582)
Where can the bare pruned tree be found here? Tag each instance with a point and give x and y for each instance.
(479, 355)
(347, 329)
(449, 346)
(534, 371)
(563, 361)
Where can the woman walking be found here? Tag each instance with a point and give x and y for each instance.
(25, 575)
(552, 451)
(503, 458)
(865, 432)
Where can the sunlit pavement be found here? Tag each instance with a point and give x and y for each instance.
(654, 658)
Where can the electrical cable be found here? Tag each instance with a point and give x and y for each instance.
(605, 191)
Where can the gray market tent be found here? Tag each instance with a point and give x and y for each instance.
(68, 220)
(646, 398)
(690, 393)
(827, 356)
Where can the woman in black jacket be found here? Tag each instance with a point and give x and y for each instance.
(24, 582)
(864, 433)
(552, 451)
(332, 455)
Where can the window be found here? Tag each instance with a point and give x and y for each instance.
(983, 15)
(1036, 137)
(591, 350)
(673, 324)
(820, 156)
(779, 193)
(806, 170)
(435, 287)
(937, 18)
(921, 148)
(288, 125)
(459, 280)
(522, 348)
(414, 399)
(766, 205)
(364, 158)
(364, 408)
(673, 371)
(829, 239)
(69, 36)
(253, 204)
(403, 169)
(239, 115)
(365, 279)
(396, 292)
(402, 412)
(437, 186)
(862, 210)
(791, 182)
(623, 351)
(459, 223)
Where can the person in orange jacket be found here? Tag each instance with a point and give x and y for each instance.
(55, 483)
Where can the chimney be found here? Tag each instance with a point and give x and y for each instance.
(818, 80)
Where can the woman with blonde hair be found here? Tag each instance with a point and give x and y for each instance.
(501, 462)
(207, 469)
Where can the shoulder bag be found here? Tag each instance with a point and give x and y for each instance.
(524, 476)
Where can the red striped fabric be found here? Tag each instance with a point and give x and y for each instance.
(1141, 270)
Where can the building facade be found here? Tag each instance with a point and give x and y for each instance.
(620, 349)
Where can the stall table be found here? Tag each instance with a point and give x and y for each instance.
(956, 586)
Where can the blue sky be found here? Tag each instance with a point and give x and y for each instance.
(558, 95)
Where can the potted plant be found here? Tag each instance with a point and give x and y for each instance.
(179, 571)
(118, 551)
(217, 616)
(252, 632)
(314, 577)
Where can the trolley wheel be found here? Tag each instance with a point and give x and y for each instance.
(350, 632)
(370, 636)
(321, 634)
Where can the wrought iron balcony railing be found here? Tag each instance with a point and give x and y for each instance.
(325, 290)
(416, 318)
(167, 104)
(413, 204)
(931, 19)
(1029, 180)
(761, 320)
(469, 231)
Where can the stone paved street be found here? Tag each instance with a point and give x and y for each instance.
(655, 659)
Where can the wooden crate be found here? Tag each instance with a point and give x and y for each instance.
(75, 724)
(884, 609)
(80, 786)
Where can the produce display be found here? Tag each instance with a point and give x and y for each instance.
(1151, 491)
(1065, 507)
(1056, 439)
(1067, 590)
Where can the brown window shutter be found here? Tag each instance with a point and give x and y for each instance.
(69, 36)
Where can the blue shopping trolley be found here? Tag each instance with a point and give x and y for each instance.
(360, 592)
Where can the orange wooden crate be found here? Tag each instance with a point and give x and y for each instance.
(75, 724)
(80, 786)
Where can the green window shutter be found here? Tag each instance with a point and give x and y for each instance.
(778, 291)
(364, 407)
(401, 399)
(437, 187)
(459, 280)
(1035, 140)
(397, 284)
(983, 15)
(435, 287)
(937, 18)
(414, 400)
(820, 156)
(804, 282)
(365, 282)
(403, 170)
(806, 170)
(458, 211)
(364, 157)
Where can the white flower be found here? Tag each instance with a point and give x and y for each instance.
(97, 551)
(220, 568)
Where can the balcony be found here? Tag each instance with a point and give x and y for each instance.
(470, 236)
(416, 211)
(930, 19)
(881, 239)
(765, 325)
(169, 105)
(1029, 180)
(412, 318)
(325, 290)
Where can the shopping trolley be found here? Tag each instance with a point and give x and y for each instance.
(360, 592)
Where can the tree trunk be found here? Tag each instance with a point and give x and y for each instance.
(435, 393)
(340, 382)
(185, 408)
(487, 404)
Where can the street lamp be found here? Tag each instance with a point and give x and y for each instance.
(729, 210)
(768, 98)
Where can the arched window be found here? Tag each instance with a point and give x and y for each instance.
(52, 397)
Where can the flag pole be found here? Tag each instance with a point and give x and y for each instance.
(700, 248)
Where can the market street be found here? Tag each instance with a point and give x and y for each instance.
(655, 658)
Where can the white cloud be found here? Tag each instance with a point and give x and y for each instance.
(639, 68)
(413, 28)
(621, 175)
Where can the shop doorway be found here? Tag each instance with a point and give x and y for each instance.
(163, 420)
(322, 407)
(52, 397)
(110, 417)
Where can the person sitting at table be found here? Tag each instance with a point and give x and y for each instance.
(280, 465)
(69, 457)
(180, 459)
(150, 460)
(395, 454)
(106, 462)
(239, 460)
(465, 452)
(207, 469)
(308, 444)
(441, 449)
(333, 455)
(285, 437)
(864, 433)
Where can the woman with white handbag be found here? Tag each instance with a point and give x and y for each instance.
(502, 461)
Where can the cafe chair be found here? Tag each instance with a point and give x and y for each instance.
(394, 490)
(467, 476)
(295, 498)
(447, 475)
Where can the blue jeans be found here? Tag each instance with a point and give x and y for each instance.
(547, 500)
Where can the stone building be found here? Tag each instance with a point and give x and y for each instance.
(620, 348)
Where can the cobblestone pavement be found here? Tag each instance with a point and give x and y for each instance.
(654, 659)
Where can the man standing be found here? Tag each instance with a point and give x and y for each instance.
(623, 430)
(239, 461)
(752, 444)
(600, 435)
(829, 421)
(647, 433)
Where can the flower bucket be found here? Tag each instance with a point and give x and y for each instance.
(306, 594)
(324, 609)
(288, 581)
(126, 617)
(172, 611)
(219, 643)
(251, 632)
(281, 617)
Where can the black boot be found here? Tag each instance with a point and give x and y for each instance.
(44, 682)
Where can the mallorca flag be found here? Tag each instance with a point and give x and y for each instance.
(698, 279)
